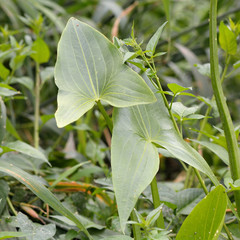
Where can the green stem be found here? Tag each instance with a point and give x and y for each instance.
(160, 89)
(156, 202)
(36, 107)
(232, 144)
(11, 206)
(227, 232)
(135, 228)
(82, 140)
(105, 115)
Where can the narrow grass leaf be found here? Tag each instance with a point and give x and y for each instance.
(220, 151)
(66, 174)
(26, 149)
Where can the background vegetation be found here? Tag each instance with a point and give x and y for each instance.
(74, 162)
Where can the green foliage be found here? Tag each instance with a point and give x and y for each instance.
(95, 74)
(206, 219)
(41, 192)
(146, 120)
(227, 39)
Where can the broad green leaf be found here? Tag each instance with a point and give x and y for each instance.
(7, 91)
(27, 149)
(168, 196)
(206, 220)
(35, 231)
(183, 111)
(25, 81)
(135, 161)
(152, 44)
(3, 117)
(220, 151)
(17, 61)
(175, 88)
(90, 68)
(227, 39)
(205, 69)
(46, 74)
(4, 235)
(40, 50)
(4, 72)
(43, 193)
(187, 199)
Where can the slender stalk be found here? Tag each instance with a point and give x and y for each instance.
(135, 228)
(156, 202)
(232, 144)
(36, 107)
(160, 89)
(81, 139)
(11, 206)
(105, 115)
(227, 232)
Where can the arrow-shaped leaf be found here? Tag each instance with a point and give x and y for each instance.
(90, 68)
(135, 159)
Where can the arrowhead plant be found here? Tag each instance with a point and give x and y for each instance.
(90, 70)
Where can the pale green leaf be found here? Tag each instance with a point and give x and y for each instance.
(90, 68)
(26, 149)
(46, 74)
(206, 220)
(25, 81)
(205, 69)
(187, 199)
(183, 111)
(129, 56)
(7, 91)
(40, 50)
(220, 151)
(135, 159)
(35, 231)
(227, 39)
(40, 191)
(152, 44)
